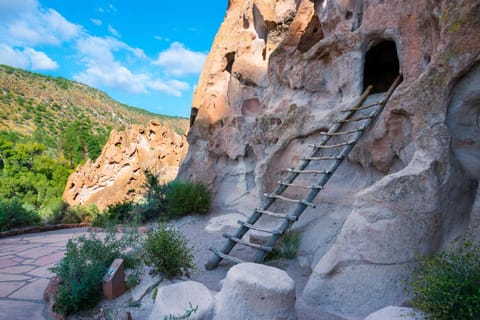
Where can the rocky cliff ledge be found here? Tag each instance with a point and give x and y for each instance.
(118, 173)
(280, 70)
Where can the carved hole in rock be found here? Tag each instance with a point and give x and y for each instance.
(381, 66)
(463, 117)
(348, 15)
(313, 33)
(193, 115)
(230, 58)
(251, 107)
(259, 23)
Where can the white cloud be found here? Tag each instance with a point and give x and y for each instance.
(36, 26)
(113, 76)
(171, 87)
(104, 69)
(26, 59)
(39, 60)
(96, 22)
(179, 61)
(114, 31)
(10, 9)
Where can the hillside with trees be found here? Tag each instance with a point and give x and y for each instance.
(48, 126)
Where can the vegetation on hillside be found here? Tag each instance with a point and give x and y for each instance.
(48, 126)
(30, 102)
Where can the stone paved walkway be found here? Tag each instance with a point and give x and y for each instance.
(24, 274)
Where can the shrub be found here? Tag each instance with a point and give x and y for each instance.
(166, 250)
(83, 267)
(155, 202)
(14, 215)
(120, 212)
(447, 285)
(286, 247)
(187, 197)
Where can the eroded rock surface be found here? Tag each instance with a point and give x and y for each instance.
(118, 173)
(255, 291)
(279, 72)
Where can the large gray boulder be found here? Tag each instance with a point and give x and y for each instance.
(257, 292)
(396, 313)
(180, 297)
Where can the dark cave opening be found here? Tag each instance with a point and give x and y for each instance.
(381, 66)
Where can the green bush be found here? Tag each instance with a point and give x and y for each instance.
(286, 247)
(14, 215)
(117, 213)
(82, 269)
(447, 286)
(187, 197)
(155, 201)
(166, 250)
(58, 211)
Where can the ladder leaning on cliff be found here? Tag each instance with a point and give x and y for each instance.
(363, 116)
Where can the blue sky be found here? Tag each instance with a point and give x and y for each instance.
(145, 53)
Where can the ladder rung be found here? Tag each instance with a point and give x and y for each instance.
(341, 133)
(363, 107)
(226, 256)
(277, 196)
(300, 186)
(251, 226)
(355, 119)
(277, 215)
(248, 244)
(333, 145)
(323, 158)
(308, 171)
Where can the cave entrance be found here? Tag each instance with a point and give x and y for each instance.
(381, 66)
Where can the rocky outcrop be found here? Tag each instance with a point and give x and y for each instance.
(118, 173)
(279, 72)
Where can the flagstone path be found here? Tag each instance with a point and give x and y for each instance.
(24, 274)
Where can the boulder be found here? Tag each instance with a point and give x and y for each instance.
(181, 297)
(396, 313)
(255, 291)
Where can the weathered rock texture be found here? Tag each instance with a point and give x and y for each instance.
(118, 173)
(255, 291)
(174, 301)
(278, 73)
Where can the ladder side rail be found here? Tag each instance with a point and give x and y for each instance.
(324, 178)
(242, 230)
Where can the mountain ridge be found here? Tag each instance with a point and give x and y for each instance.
(30, 100)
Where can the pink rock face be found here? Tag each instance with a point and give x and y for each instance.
(118, 173)
(280, 71)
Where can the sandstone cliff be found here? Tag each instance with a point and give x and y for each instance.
(118, 173)
(278, 73)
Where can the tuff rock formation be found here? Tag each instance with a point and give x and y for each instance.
(118, 173)
(279, 72)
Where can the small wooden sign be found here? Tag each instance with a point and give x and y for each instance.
(114, 281)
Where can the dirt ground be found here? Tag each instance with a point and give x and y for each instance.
(193, 227)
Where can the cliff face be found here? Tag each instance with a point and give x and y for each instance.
(118, 173)
(279, 72)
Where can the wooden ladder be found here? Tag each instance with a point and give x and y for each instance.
(360, 116)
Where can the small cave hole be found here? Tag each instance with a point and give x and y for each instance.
(193, 116)
(230, 57)
(381, 66)
(313, 34)
(348, 15)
